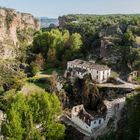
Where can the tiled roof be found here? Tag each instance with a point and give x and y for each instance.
(90, 65)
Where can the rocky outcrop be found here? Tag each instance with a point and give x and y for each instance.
(15, 29)
(110, 36)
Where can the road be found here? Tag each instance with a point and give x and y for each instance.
(124, 85)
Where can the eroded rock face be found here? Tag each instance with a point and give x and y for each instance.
(15, 28)
(110, 36)
(7, 51)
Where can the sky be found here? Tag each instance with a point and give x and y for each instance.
(55, 8)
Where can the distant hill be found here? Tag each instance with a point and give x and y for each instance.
(45, 22)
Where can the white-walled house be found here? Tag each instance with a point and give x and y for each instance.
(79, 68)
(84, 120)
(90, 123)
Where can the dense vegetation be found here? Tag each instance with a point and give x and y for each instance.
(131, 122)
(108, 32)
(81, 36)
(54, 48)
(32, 117)
(90, 25)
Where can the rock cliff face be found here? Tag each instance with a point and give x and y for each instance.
(109, 36)
(15, 29)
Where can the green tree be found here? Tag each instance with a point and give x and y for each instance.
(128, 37)
(56, 46)
(134, 59)
(14, 128)
(40, 43)
(76, 41)
(132, 123)
(28, 116)
(55, 41)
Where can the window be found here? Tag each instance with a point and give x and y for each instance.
(97, 77)
(99, 121)
(97, 72)
(95, 122)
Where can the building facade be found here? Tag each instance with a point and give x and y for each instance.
(90, 123)
(84, 120)
(80, 68)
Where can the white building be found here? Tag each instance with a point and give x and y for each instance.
(84, 120)
(79, 68)
(91, 123)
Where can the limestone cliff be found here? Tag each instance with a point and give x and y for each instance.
(109, 36)
(15, 29)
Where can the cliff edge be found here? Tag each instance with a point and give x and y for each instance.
(16, 29)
